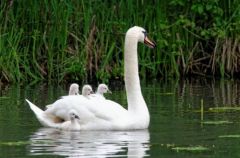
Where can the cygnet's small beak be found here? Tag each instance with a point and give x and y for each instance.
(76, 117)
(109, 91)
(149, 42)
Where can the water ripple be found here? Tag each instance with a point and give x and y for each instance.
(48, 141)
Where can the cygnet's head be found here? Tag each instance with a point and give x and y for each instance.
(102, 88)
(73, 115)
(140, 34)
(87, 90)
(74, 89)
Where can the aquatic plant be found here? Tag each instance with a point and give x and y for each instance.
(191, 149)
(224, 109)
(83, 40)
(14, 143)
(230, 136)
(216, 122)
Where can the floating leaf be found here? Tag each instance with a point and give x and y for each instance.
(167, 93)
(191, 149)
(224, 109)
(17, 143)
(229, 136)
(170, 145)
(216, 122)
(4, 97)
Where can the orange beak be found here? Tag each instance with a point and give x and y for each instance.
(149, 43)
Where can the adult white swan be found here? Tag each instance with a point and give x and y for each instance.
(106, 114)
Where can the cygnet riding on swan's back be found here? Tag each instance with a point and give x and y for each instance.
(87, 91)
(74, 89)
(100, 114)
(102, 88)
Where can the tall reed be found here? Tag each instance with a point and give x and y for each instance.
(83, 40)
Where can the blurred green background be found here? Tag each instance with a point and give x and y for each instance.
(62, 40)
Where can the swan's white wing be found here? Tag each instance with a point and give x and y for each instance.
(42, 117)
(62, 107)
(106, 109)
(88, 109)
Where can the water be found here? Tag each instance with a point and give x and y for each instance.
(177, 129)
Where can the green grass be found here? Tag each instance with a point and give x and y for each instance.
(83, 40)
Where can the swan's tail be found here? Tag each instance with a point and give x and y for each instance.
(42, 117)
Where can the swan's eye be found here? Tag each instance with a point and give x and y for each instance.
(145, 33)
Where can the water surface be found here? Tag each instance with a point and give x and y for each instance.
(178, 128)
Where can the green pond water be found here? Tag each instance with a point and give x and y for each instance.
(178, 128)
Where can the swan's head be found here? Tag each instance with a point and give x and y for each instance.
(141, 35)
(74, 89)
(73, 115)
(87, 90)
(102, 88)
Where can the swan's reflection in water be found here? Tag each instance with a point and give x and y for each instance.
(48, 141)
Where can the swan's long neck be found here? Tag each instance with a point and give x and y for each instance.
(136, 103)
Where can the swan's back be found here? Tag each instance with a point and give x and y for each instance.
(87, 109)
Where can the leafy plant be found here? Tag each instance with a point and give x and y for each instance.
(83, 40)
